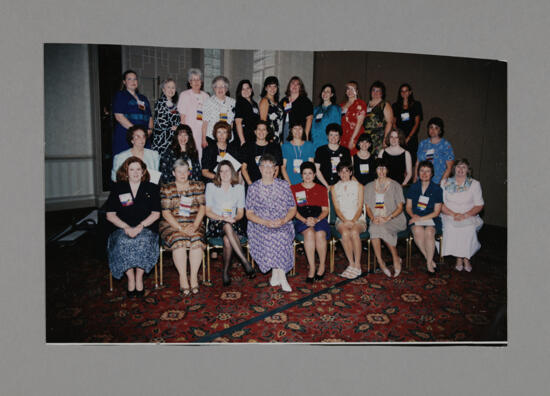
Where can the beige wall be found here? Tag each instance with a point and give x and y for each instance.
(468, 94)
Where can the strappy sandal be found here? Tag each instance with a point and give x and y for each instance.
(354, 273)
(347, 272)
(185, 291)
(195, 290)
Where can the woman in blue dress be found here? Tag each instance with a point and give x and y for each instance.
(424, 201)
(296, 152)
(130, 108)
(326, 113)
(436, 150)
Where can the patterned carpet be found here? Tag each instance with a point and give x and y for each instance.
(415, 307)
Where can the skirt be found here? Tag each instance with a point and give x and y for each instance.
(322, 225)
(126, 253)
(215, 228)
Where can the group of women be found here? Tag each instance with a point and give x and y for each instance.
(264, 172)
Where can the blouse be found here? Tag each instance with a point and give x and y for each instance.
(225, 202)
(150, 157)
(218, 110)
(438, 154)
(295, 156)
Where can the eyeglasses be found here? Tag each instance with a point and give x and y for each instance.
(267, 166)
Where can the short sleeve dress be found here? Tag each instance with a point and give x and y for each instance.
(349, 123)
(346, 194)
(125, 253)
(191, 106)
(249, 113)
(275, 120)
(385, 204)
(271, 247)
(295, 156)
(438, 154)
(137, 113)
(323, 116)
(374, 124)
(184, 206)
(422, 207)
(224, 204)
(460, 237)
(295, 112)
(218, 110)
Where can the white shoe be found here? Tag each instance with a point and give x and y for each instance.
(283, 282)
(274, 281)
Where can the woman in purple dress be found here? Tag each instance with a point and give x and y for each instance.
(270, 208)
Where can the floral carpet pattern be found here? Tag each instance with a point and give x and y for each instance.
(415, 307)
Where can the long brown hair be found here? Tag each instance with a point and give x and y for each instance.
(218, 179)
(302, 87)
(190, 147)
(122, 172)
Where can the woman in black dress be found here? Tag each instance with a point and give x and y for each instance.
(253, 150)
(297, 107)
(247, 113)
(407, 117)
(133, 207)
(269, 107)
(363, 161)
(220, 150)
(183, 147)
(397, 158)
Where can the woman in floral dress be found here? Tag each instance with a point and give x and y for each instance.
(167, 117)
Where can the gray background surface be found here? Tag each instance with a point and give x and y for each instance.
(515, 32)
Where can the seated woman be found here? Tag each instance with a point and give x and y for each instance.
(182, 147)
(347, 197)
(182, 228)
(398, 159)
(384, 206)
(363, 161)
(270, 208)
(136, 138)
(225, 209)
(311, 219)
(424, 200)
(221, 149)
(253, 150)
(462, 201)
(133, 207)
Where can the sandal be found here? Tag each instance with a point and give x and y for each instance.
(195, 290)
(347, 272)
(185, 291)
(354, 273)
(467, 266)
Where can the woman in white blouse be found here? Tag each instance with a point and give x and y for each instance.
(218, 107)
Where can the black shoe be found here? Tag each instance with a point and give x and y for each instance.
(251, 273)
(319, 277)
(226, 281)
(131, 294)
(140, 293)
(310, 280)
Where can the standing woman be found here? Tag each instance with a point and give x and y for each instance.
(133, 207)
(218, 107)
(219, 150)
(424, 200)
(462, 202)
(167, 117)
(384, 206)
(348, 197)
(353, 115)
(297, 107)
(436, 150)
(191, 106)
(270, 209)
(225, 209)
(269, 107)
(407, 116)
(296, 152)
(130, 108)
(254, 150)
(326, 113)
(311, 219)
(363, 161)
(183, 147)
(379, 118)
(182, 228)
(247, 113)
(136, 138)
(397, 158)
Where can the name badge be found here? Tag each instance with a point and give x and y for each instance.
(422, 202)
(223, 116)
(296, 163)
(343, 113)
(273, 116)
(364, 169)
(334, 161)
(369, 109)
(379, 201)
(199, 115)
(185, 206)
(255, 110)
(227, 210)
(288, 106)
(220, 156)
(126, 199)
(405, 116)
(190, 165)
(141, 105)
(430, 154)
(257, 159)
(301, 198)
(319, 116)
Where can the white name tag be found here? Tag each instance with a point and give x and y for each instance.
(288, 106)
(227, 210)
(334, 161)
(364, 169)
(255, 110)
(319, 116)
(126, 199)
(430, 154)
(301, 197)
(185, 206)
(296, 165)
(422, 202)
(257, 159)
(405, 116)
(273, 116)
(141, 104)
(379, 201)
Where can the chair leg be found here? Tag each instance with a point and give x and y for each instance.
(293, 270)
(441, 259)
(368, 255)
(208, 261)
(161, 267)
(331, 255)
(156, 276)
(110, 281)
